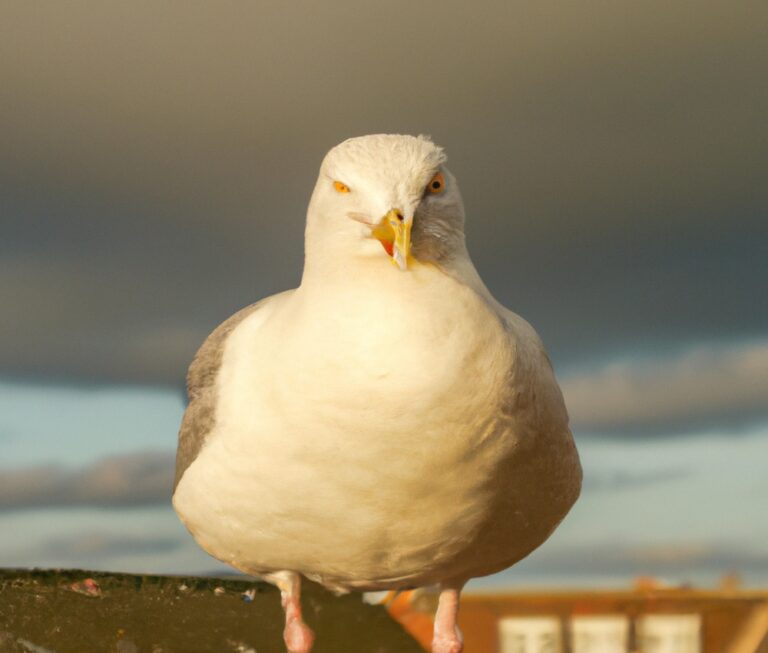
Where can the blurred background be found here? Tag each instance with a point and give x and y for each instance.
(156, 160)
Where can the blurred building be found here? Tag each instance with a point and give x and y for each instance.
(647, 619)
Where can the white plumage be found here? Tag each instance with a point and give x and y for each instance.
(376, 427)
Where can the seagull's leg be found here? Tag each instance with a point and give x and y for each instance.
(297, 635)
(447, 637)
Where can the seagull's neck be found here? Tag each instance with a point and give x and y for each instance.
(372, 271)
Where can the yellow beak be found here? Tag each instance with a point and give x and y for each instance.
(394, 233)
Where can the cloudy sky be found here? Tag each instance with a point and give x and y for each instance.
(155, 165)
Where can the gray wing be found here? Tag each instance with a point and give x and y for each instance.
(536, 402)
(199, 417)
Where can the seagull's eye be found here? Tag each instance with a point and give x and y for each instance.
(436, 184)
(340, 187)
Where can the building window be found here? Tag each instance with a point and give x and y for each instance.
(530, 635)
(667, 633)
(600, 634)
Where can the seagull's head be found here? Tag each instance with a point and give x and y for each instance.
(386, 196)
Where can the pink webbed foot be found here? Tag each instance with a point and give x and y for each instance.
(448, 642)
(454, 644)
(298, 637)
(447, 637)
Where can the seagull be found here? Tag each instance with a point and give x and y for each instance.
(387, 424)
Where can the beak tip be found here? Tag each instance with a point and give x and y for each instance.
(394, 232)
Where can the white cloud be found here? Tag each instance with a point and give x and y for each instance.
(117, 481)
(92, 545)
(142, 539)
(695, 389)
(617, 562)
(621, 479)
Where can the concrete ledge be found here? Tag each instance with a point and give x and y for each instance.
(72, 611)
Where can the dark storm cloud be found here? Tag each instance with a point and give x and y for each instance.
(156, 161)
(118, 481)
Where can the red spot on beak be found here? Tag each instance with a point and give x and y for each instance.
(388, 246)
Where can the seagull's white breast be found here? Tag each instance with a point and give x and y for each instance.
(358, 433)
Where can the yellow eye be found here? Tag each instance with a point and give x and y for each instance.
(341, 188)
(437, 184)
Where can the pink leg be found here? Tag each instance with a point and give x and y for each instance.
(297, 635)
(447, 637)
